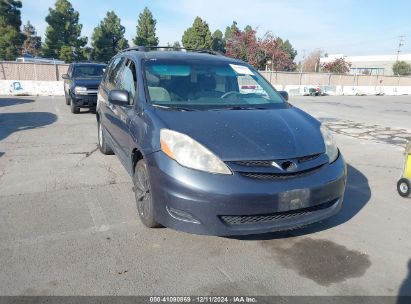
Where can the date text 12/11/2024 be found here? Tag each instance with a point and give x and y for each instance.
(204, 299)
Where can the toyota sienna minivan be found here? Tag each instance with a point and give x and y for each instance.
(212, 147)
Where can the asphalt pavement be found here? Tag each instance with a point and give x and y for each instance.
(69, 226)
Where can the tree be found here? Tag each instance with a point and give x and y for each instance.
(280, 58)
(259, 52)
(32, 42)
(286, 46)
(245, 46)
(176, 46)
(338, 66)
(312, 62)
(230, 30)
(401, 68)
(63, 30)
(146, 29)
(218, 43)
(11, 38)
(248, 28)
(197, 36)
(108, 38)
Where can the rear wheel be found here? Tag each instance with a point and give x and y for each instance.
(102, 143)
(74, 109)
(142, 192)
(404, 187)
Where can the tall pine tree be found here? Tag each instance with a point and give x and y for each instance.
(218, 43)
(146, 29)
(198, 36)
(63, 33)
(108, 38)
(230, 30)
(11, 38)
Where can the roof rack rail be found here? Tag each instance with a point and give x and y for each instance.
(89, 61)
(143, 48)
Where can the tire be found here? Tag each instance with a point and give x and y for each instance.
(68, 99)
(404, 187)
(142, 192)
(73, 108)
(102, 142)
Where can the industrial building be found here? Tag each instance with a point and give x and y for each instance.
(370, 64)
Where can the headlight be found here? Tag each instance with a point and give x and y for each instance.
(330, 146)
(189, 153)
(80, 90)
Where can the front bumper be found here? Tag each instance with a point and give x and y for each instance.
(84, 101)
(204, 203)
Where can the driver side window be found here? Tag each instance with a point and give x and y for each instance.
(113, 73)
(128, 80)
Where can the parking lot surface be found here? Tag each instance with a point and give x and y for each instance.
(69, 226)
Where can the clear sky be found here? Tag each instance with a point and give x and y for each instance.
(350, 27)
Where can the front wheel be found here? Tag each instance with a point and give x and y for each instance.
(144, 198)
(73, 108)
(68, 99)
(404, 187)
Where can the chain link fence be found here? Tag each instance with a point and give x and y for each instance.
(32, 71)
(325, 79)
(52, 72)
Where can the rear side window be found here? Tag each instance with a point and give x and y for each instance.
(113, 73)
(128, 80)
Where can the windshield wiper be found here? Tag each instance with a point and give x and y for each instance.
(239, 108)
(173, 108)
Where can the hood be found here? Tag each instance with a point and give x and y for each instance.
(250, 134)
(87, 82)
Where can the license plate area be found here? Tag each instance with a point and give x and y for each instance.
(294, 199)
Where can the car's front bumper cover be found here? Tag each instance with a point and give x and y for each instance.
(85, 101)
(204, 203)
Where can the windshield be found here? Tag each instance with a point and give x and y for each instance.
(85, 71)
(205, 85)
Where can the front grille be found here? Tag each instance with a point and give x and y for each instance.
(268, 163)
(89, 98)
(273, 217)
(276, 176)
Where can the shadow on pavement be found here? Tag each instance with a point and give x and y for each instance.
(14, 122)
(6, 102)
(357, 195)
(404, 294)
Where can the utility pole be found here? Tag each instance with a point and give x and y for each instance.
(400, 44)
(302, 63)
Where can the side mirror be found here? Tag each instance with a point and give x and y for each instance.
(119, 97)
(65, 76)
(284, 94)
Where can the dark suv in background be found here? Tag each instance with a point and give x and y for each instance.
(81, 84)
(213, 148)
